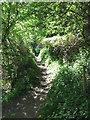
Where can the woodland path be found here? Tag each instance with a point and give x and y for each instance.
(27, 106)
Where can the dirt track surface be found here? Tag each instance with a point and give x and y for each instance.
(27, 106)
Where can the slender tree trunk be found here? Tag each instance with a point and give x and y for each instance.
(84, 82)
(89, 42)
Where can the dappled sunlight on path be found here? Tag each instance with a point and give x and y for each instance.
(27, 106)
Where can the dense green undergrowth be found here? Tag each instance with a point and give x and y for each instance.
(61, 33)
(66, 99)
(26, 78)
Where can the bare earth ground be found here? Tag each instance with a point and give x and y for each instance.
(27, 106)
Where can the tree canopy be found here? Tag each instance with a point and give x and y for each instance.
(55, 31)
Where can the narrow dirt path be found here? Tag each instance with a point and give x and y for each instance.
(27, 106)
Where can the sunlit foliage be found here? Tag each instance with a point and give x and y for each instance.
(59, 32)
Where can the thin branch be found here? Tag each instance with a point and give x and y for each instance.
(79, 14)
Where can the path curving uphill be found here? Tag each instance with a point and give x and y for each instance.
(27, 106)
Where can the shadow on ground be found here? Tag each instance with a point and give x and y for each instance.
(27, 106)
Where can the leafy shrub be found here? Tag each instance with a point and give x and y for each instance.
(48, 61)
(43, 54)
(65, 99)
(27, 72)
